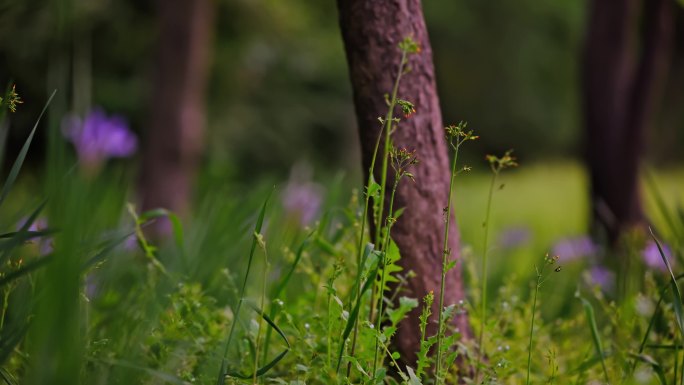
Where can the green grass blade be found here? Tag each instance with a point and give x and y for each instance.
(107, 248)
(264, 369)
(176, 225)
(679, 312)
(675, 228)
(283, 283)
(21, 235)
(657, 368)
(300, 251)
(257, 230)
(29, 234)
(9, 342)
(595, 336)
(7, 377)
(165, 377)
(16, 167)
(25, 269)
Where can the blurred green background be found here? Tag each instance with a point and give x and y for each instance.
(279, 90)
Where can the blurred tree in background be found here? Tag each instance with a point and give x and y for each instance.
(174, 137)
(626, 60)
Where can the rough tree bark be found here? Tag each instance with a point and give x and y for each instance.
(371, 31)
(626, 57)
(174, 136)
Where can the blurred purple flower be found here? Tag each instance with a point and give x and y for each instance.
(40, 224)
(99, 137)
(514, 237)
(601, 276)
(569, 249)
(301, 197)
(91, 286)
(652, 256)
(131, 243)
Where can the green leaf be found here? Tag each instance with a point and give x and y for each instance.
(16, 167)
(398, 212)
(657, 368)
(591, 319)
(406, 304)
(354, 315)
(257, 229)
(373, 189)
(413, 379)
(22, 235)
(677, 304)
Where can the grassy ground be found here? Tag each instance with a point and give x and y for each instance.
(134, 313)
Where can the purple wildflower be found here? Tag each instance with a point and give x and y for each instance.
(599, 275)
(514, 237)
(302, 198)
(91, 287)
(40, 224)
(575, 248)
(652, 256)
(131, 243)
(99, 137)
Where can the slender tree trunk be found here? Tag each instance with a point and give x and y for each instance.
(624, 69)
(174, 135)
(371, 31)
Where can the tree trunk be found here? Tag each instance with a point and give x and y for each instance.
(176, 125)
(623, 75)
(371, 31)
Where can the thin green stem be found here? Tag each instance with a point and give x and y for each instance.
(385, 161)
(5, 305)
(681, 379)
(390, 221)
(534, 311)
(387, 127)
(483, 308)
(445, 260)
(261, 306)
(388, 130)
(359, 257)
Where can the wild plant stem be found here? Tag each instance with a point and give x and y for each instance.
(261, 318)
(388, 130)
(5, 305)
(387, 127)
(483, 308)
(390, 221)
(385, 161)
(329, 349)
(359, 257)
(222, 373)
(445, 260)
(534, 311)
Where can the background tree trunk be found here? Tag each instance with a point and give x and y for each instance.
(371, 31)
(174, 136)
(626, 57)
